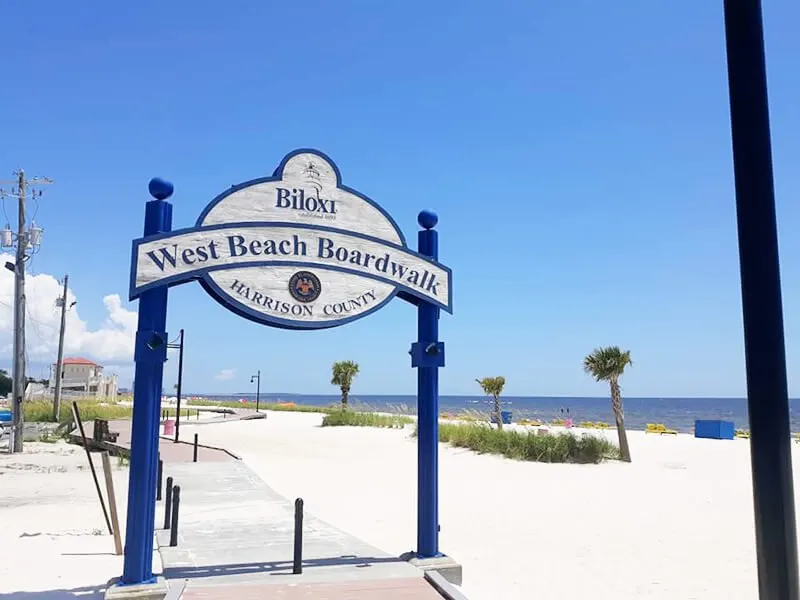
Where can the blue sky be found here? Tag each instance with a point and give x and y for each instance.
(578, 155)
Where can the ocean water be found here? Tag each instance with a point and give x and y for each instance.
(675, 413)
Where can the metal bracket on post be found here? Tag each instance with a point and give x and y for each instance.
(151, 345)
(427, 354)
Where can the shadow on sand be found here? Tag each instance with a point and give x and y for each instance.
(94, 592)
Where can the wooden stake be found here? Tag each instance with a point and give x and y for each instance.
(112, 503)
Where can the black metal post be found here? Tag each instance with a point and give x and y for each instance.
(180, 388)
(257, 379)
(176, 503)
(159, 480)
(168, 503)
(194, 454)
(297, 567)
(765, 357)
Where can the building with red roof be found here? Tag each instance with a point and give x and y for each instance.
(85, 377)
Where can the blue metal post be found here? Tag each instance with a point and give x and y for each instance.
(428, 356)
(762, 306)
(149, 356)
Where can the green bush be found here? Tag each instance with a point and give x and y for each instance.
(362, 419)
(527, 445)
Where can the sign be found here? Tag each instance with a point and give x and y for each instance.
(297, 250)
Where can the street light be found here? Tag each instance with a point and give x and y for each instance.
(257, 379)
(178, 346)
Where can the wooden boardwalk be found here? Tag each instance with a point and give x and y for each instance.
(169, 450)
(236, 538)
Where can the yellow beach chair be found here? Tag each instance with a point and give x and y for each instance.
(660, 429)
(742, 434)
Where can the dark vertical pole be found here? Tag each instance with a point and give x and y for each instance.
(194, 453)
(765, 358)
(427, 408)
(180, 389)
(150, 352)
(176, 504)
(168, 504)
(297, 562)
(159, 479)
(258, 389)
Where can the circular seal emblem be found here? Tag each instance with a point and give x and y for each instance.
(304, 286)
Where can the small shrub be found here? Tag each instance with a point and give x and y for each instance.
(362, 419)
(527, 445)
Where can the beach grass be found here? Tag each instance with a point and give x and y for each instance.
(42, 410)
(528, 445)
(351, 418)
(276, 406)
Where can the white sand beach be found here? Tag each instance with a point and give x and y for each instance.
(54, 540)
(676, 523)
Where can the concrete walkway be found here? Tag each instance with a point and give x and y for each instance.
(236, 541)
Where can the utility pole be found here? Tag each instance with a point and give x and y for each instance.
(59, 362)
(25, 240)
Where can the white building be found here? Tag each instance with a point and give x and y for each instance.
(86, 378)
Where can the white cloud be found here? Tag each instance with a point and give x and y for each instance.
(225, 375)
(111, 343)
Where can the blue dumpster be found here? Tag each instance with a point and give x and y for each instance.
(713, 430)
(5, 416)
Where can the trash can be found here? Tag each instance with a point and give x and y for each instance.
(505, 415)
(169, 427)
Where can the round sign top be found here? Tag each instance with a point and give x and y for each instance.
(305, 190)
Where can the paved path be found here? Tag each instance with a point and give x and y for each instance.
(236, 539)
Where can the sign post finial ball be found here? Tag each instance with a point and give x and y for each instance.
(160, 189)
(427, 219)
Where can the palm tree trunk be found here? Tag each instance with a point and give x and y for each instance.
(345, 394)
(497, 415)
(616, 405)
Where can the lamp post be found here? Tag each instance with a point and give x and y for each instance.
(257, 379)
(178, 346)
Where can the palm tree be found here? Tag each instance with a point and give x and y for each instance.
(493, 386)
(608, 364)
(344, 371)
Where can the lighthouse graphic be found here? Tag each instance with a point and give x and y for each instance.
(313, 179)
